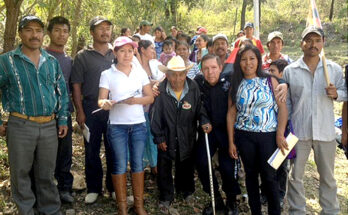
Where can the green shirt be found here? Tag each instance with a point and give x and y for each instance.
(31, 91)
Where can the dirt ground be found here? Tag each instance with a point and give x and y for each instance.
(105, 205)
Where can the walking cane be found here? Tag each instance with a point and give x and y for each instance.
(210, 173)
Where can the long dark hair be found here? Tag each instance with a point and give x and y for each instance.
(143, 44)
(238, 76)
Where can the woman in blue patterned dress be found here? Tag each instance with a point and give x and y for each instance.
(256, 123)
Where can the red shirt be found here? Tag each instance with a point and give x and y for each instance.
(255, 41)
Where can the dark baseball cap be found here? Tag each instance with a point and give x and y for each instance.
(29, 18)
(249, 25)
(312, 29)
(97, 20)
(146, 23)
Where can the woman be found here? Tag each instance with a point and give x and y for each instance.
(150, 65)
(126, 32)
(159, 37)
(256, 123)
(182, 49)
(201, 44)
(124, 89)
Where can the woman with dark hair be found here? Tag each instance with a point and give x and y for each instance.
(183, 50)
(256, 123)
(201, 43)
(159, 37)
(123, 89)
(126, 32)
(150, 64)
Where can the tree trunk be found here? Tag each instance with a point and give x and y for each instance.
(12, 13)
(242, 17)
(75, 23)
(331, 10)
(259, 15)
(235, 22)
(52, 7)
(173, 10)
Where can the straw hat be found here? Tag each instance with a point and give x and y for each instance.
(176, 64)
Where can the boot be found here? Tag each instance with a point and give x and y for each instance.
(138, 192)
(120, 186)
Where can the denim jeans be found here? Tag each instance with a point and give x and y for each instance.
(121, 136)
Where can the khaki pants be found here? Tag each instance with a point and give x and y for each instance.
(324, 156)
(33, 147)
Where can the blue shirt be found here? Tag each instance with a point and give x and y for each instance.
(33, 91)
(256, 108)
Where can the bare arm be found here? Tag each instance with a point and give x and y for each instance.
(103, 101)
(145, 100)
(282, 120)
(231, 119)
(77, 98)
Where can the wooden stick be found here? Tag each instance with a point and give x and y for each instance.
(326, 73)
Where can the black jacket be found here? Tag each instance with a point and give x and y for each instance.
(177, 124)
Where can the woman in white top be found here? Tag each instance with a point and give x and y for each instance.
(124, 89)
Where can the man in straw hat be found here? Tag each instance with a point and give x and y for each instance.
(174, 117)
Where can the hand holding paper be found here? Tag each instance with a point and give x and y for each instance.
(277, 157)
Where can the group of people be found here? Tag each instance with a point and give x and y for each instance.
(152, 101)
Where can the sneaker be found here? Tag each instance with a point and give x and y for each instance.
(164, 207)
(113, 195)
(91, 198)
(65, 196)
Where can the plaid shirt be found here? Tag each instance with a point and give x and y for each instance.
(33, 91)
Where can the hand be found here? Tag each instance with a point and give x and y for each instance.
(281, 92)
(207, 128)
(81, 118)
(281, 143)
(129, 101)
(163, 146)
(331, 91)
(106, 104)
(232, 151)
(62, 131)
(155, 90)
(3, 129)
(344, 138)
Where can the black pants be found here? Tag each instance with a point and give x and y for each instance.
(218, 141)
(63, 164)
(97, 124)
(255, 148)
(184, 176)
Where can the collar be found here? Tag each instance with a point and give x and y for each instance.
(43, 56)
(303, 65)
(170, 90)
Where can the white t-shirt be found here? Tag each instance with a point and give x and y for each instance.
(146, 37)
(121, 87)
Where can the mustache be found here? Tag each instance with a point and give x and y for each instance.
(34, 39)
(314, 48)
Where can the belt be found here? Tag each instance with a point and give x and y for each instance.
(37, 119)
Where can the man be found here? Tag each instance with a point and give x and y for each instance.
(58, 30)
(34, 92)
(275, 44)
(145, 28)
(220, 46)
(174, 117)
(311, 112)
(87, 67)
(214, 87)
(249, 33)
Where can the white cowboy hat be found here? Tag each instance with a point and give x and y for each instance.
(176, 64)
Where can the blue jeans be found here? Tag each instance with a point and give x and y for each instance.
(121, 136)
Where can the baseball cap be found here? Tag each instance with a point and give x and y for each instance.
(145, 22)
(97, 20)
(29, 18)
(249, 25)
(274, 34)
(123, 40)
(220, 36)
(312, 29)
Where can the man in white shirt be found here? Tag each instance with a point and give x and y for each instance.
(145, 28)
(310, 103)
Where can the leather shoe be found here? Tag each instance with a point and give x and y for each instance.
(65, 196)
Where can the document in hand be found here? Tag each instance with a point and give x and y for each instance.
(86, 133)
(277, 157)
